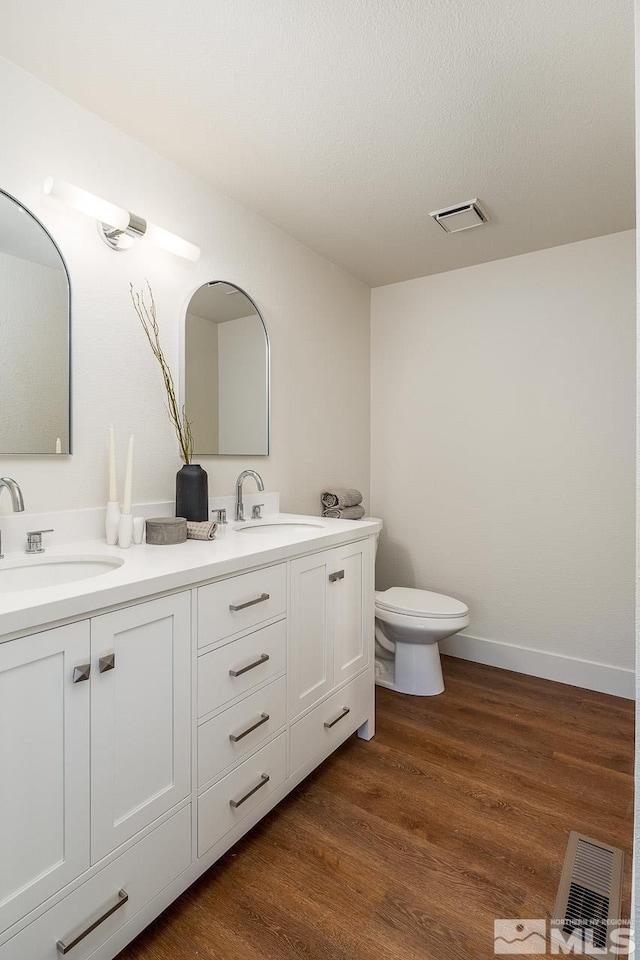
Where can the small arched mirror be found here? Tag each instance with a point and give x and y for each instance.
(34, 336)
(226, 372)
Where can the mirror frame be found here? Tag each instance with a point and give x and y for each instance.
(183, 368)
(9, 196)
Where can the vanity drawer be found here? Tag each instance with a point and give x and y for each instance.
(239, 603)
(230, 800)
(138, 875)
(229, 671)
(327, 725)
(249, 723)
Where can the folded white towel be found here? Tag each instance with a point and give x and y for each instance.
(201, 529)
(348, 513)
(341, 498)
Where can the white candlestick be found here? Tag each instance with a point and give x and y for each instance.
(125, 531)
(111, 521)
(58, 445)
(128, 479)
(113, 487)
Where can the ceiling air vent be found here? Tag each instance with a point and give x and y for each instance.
(461, 216)
(589, 895)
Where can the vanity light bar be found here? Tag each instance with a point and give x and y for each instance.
(117, 227)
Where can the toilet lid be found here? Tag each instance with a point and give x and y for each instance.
(420, 603)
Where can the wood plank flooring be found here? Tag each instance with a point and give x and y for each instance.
(409, 846)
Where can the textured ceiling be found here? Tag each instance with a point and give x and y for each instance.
(346, 121)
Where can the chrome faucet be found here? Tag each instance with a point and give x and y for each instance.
(243, 476)
(15, 493)
(16, 499)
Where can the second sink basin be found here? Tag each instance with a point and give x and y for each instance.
(52, 571)
(265, 527)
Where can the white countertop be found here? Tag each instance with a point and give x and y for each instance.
(148, 569)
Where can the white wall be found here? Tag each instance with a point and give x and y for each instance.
(242, 379)
(503, 451)
(34, 356)
(635, 899)
(320, 412)
(201, 386)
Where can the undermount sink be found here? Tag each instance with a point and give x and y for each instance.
(274, 526)
(53, 571)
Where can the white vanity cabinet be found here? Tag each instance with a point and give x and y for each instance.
(330, 622)
(140, 717)
(331, 683)
(140, 742)
(95, 745)
(242, 702)
(44, 766)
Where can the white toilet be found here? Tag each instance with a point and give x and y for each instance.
(409, 624)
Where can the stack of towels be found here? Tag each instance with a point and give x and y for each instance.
(342, 504)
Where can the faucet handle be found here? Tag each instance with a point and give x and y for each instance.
(255, 511)
(34, 541)
(222, 514)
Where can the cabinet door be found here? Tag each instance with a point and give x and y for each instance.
(44, 766)
(351, 606)
(310, 670)
(140, 717)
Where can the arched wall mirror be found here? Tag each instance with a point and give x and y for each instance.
(226, 372)
(35, 413)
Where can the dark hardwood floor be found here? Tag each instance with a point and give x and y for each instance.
(409, 846)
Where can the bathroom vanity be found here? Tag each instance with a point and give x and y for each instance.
(149, 716)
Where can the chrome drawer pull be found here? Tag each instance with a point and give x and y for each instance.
(73, 939)
(80, 673)
(331, 723)
(338, 575)
(264, 778)
(235, 737)
(108, 662)
(255, 663)
(249, 603)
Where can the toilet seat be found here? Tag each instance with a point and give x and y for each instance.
(425, 604)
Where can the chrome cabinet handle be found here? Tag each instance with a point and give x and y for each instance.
(79, 934)
(338, 575)
(107, 662)
(331, 723)
(249, 666)
(249, 603)
(264, 778)
(235, 737)
(81, 672)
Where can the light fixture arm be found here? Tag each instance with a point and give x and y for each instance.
(114, 236)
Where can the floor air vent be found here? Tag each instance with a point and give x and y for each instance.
(590, 893)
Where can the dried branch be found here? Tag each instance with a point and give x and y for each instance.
(148, 318)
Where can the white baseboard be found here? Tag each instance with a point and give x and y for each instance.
(618, 681)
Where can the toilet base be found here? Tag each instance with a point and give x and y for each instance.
(415, 670)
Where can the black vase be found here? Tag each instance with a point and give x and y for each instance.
(192, 492)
